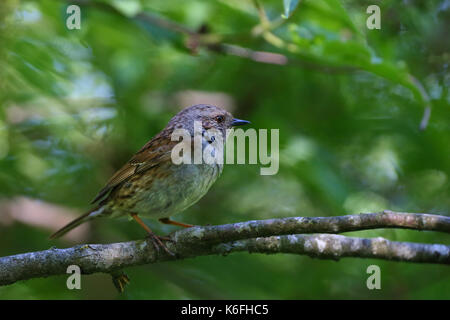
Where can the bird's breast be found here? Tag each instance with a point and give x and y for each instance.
(171, 193)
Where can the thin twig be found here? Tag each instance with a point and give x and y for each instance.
(215, 42)
(212, 42)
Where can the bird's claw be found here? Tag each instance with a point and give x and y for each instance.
(157, 242)
(120, 280)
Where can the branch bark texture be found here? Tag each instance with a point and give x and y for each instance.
(287, 235)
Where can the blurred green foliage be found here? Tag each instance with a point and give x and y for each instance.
(76, 104)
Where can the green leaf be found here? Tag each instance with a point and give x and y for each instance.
(289, 7)
(129, 8)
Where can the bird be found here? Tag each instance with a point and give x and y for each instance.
(151, 185)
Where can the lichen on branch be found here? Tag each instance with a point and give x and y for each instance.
(286, 235)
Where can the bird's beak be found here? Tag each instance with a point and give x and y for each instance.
(239, 122)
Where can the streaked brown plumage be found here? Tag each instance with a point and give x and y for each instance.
(150, 184)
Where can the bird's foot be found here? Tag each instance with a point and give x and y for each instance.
(157, 242)
(120, 280)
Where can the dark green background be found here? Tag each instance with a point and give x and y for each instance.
(76, 104)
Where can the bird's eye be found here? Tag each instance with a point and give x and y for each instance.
(220, 119)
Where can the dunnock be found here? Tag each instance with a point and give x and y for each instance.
(151, 185)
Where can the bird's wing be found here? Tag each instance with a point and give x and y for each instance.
(155, 152)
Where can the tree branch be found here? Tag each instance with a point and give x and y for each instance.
(215, 43)
(331, 246)
(262, 236)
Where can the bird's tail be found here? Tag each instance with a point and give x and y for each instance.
(75, 223)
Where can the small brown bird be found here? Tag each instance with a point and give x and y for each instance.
(151, 185)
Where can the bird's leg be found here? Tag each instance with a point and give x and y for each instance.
(175, 223)
(155, 239)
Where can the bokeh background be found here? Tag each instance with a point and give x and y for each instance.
(348, 101)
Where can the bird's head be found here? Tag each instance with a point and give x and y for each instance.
(211, 117)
